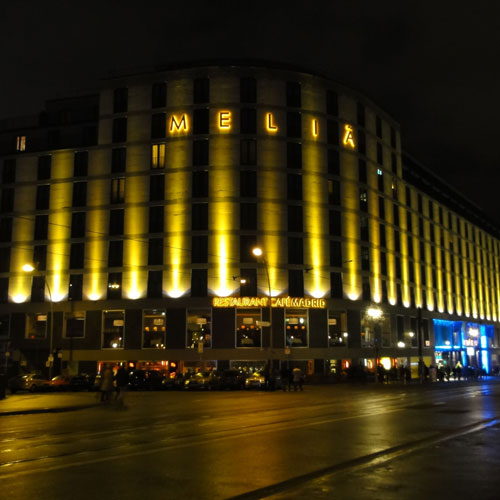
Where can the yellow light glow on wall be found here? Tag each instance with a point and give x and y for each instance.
(315, 127)
(270, 125)
(178, 125)
(348, 139)
(225, 120)
(19, 298)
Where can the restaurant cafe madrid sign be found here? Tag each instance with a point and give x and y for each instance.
(299, 302)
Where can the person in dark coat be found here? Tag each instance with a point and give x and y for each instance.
(121, 382)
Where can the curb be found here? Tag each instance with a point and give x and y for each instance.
(45, 410)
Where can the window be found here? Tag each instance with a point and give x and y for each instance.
(6, 228)
(380, 157)
(362, 171)
(118, 160)
(295, 250)
(248, 121)
(397, 241)
(294, 187)
(42, 197)
(75, 287)
(332, 132)
(21, 143)
(41, 227)
(4, 259)
(335, 254)
(154, 329)
(9, 171)
(76, 257)
(200, 121)
(200, 152)
(333, 162)
(74, 325)
(378, 127)
(296, 326)
(89, 136)
(336, 337)
(381, 232)
(361, 142)
(115, 253)
(118, 190)
(199, 328)
(158, 156)
(381, 207)
(156, 216)
(158, 125)
(333, 192)
(113, 329)
(363, 228)
(332, 105)
(293, 124)
(7, 200)
(159, 95)
(293, 97)
(199, 283)
(155, 252)
(79, 194)
(36, 326)
(363, 200)
(360, 114)
(119, 130)
(4, 326)
(78, 224)
(199, 249)
(334, 223)
(248, 152)
(247, 243)
(248, 90)
(199, 216)
(249, 287)
(200, 184)
(44, 167)
(394, 164)
(383, 263)
(336, 285)
(155, 284)
(248, 216)
(248, 333)
(295, 222)
(114, 286)
(38, 289)
(395, 214)
(393, 138)
(201, 90)
(116, 222)
(157, 188)
(80, 163)
(294, 155)
(120, 100)
(365, 259)
(248, 184)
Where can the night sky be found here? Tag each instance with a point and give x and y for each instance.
(432, 65)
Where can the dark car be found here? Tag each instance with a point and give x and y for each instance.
(81, 382)
(231, 379)
(174, 383)
(201, 381)
(31, 382)
(145, 380)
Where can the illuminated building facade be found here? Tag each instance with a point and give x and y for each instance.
(139, 208)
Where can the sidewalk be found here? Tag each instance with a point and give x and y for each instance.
(26, 404)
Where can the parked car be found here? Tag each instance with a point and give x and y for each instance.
(255, 381)
(174, 383)
(81, 382)
(201, 381)
(31, 382)
(231, 379)
(59, 383)
(145, 380)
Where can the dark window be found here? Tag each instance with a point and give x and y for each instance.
(200, 184)
(200, 216)
(44, 167)
(363, 200)
(295, 223)
(293, 124)
(335, 254)
(378, 127)
(333, 162)
(114, 285)
(361, 142)
(78, 224)
(79, 194)
(4, 298)
(158, 125)
(384, 292)
(247, 243)
(199, 282)
(294, 155)
(116, 219)
(75, 287)
(76, 257)
(394, 163)
(248, 90)
(362, 171)
(9, 171)
(333, 192)
(366, 290)
(332, 132)
(118, 190)
(248, 121)
(381, 232)
(360, 114)
(334, 223)
(365, 259)
(332, 103)
(80, 163)
(155, 284)
(293, 94)
(89, 136)
(200, 152)
(7, 200)
(38, 289)
(199, 249)
(363, 228)
(201, 90)
(395, 213)
(408, 196)
(115, 253)
(397, 241)
(120, 100)
(41, 227)
(157, 188)
(295, 251)
(118, 160)
(381, 207)
(155, 252)
(380, 156)
(409, 222)
(249, 288)
(400, 325)
(119, 130)
(42, 197)
(248, 152)
(398, 268)
(248, 216)
(295, 283)
(294, 187)
(200, 121)
(156, 217)
(5, 260)
(383, 263)
(159, 95)
(248, 184)
(336, 285)
(380, 180)
(393, 138)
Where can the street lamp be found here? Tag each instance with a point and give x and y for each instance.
(258, 252)
(28, 268)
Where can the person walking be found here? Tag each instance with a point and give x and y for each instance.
(121, 383)
(106, 383)
(284, 378)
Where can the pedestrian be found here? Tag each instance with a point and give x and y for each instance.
(106, 383)
(121, 383)
(297, 378)
(284, 378)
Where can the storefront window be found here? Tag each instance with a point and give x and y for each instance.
(113, 329)
(74, 324)
(4, 326)
(153, 325)
(199, 328)
(336, 337)
(36, 326)
(296, 327)
(248, 334)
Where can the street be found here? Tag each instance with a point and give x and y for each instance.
(344, 441)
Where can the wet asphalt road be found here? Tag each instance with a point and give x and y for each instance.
(336, 442)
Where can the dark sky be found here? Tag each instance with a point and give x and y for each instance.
(433, 65)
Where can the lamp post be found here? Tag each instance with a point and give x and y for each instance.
(28, 268)
(375, 315)
(258, 252)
